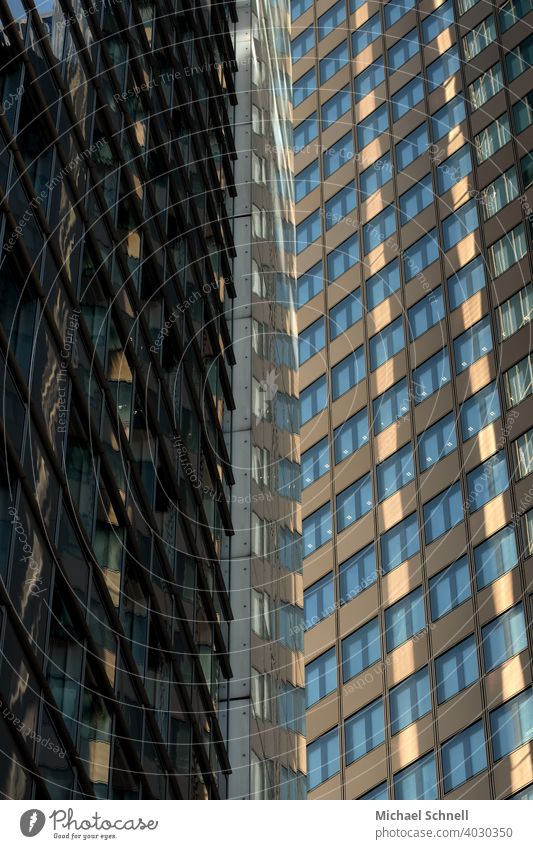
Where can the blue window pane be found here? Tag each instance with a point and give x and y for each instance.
(405, 619)
(338, 207)
(464, 756)
(454, 169)
(319, 600)
(315, 462)
(364, 731)
(430, 376)
(426, 313)
(320, 677)
(442, 513)
(335, 16)
(379, 228)
(335, 107)
(479, 411)
(313, 399)
(458, 225)
(366, 34)
(456, 669)
(391, 406)
(316, 529)
(410, 700)
(437, 21)
(307, 180)
(487, 481)
(344, 314)
(399, 543)
(323, 759)
(357, 573)
(512, 724)
(403, 50)
(380, 793)
(386, 344)
(310, 283)
(308, 231)
(311, 340)
(371, 127)
(361, 649)
(512, 12)
(395, 472)
(449, 588)
(418, 256)
(302, 44)
(443, 68)
(304, 133)
(338, 154)
(473, 344)
(396, 9)
(436, 442)
(333, 62)
(496, 556)
(343, 257)
(298, 7)
(376, 176)
(466, 282)
(443, 121)
(348, 373)
(407, 98)
(369, 79)
(303, 87)
(418, 781)
(354, 502)
(350, 435)
(416, 199)
(412, 146)
(382, 284)
(504, 637)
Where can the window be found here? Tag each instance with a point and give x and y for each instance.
(311, 340)
(338, 207)
(386, 344)
(348, 373)
(523, 112)
(421, 254)
(416, 199)
(443, 68)
(499, 193)
(302, 44)
(465, 5)
(261, 694)
(523, 447)
(519, 381)
(479, 410)
(343, 257)
(426, 313)
(379, 228)
(262, 778)
(368, 79)
(354, 502)
(308, 231)
(396, 9)
(298, 7)
(364, 731)
(466, 282)
(418, 781)
(504, 637)
(520, 58)
(495, 556)
(453, 169)
(437, 21)
(335, 16)
(338, 154)
(335, 107)
(412, 146)
(320, 677)
(478, 38)
(306, 180)
(357, 573)
(372, 126)
(376, 176)
(313, 399)
(456, 669)
(409, 700)
(492, 138)
(430, 376)
(407, 98)
(391, 406)
(526, 169)
(395, 472)
(319, 600)
(399, 543)
(303, 87)
(382, 284)
(315, 462)
(293, 785)
(443, 512)
(403, 50)
(404, 619)
(449, 588)
(379, 793)
(443, 121)
(344, 314)
(316, 529)
(473, 344)
(458, 225)
(511, 724)
(333, 62)
(304, 133)
(512, 12)
(360, 650)
(463, 756)
(310, 283)
(323, 758)
(366, 34)
(507, 250)
(437, 442)
(526, 793)
(350, 436)
(485, 86)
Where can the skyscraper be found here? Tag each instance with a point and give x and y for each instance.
(134, 504)
(413, 137)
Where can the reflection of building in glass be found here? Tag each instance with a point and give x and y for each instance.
(127, 491)
(413, 143)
